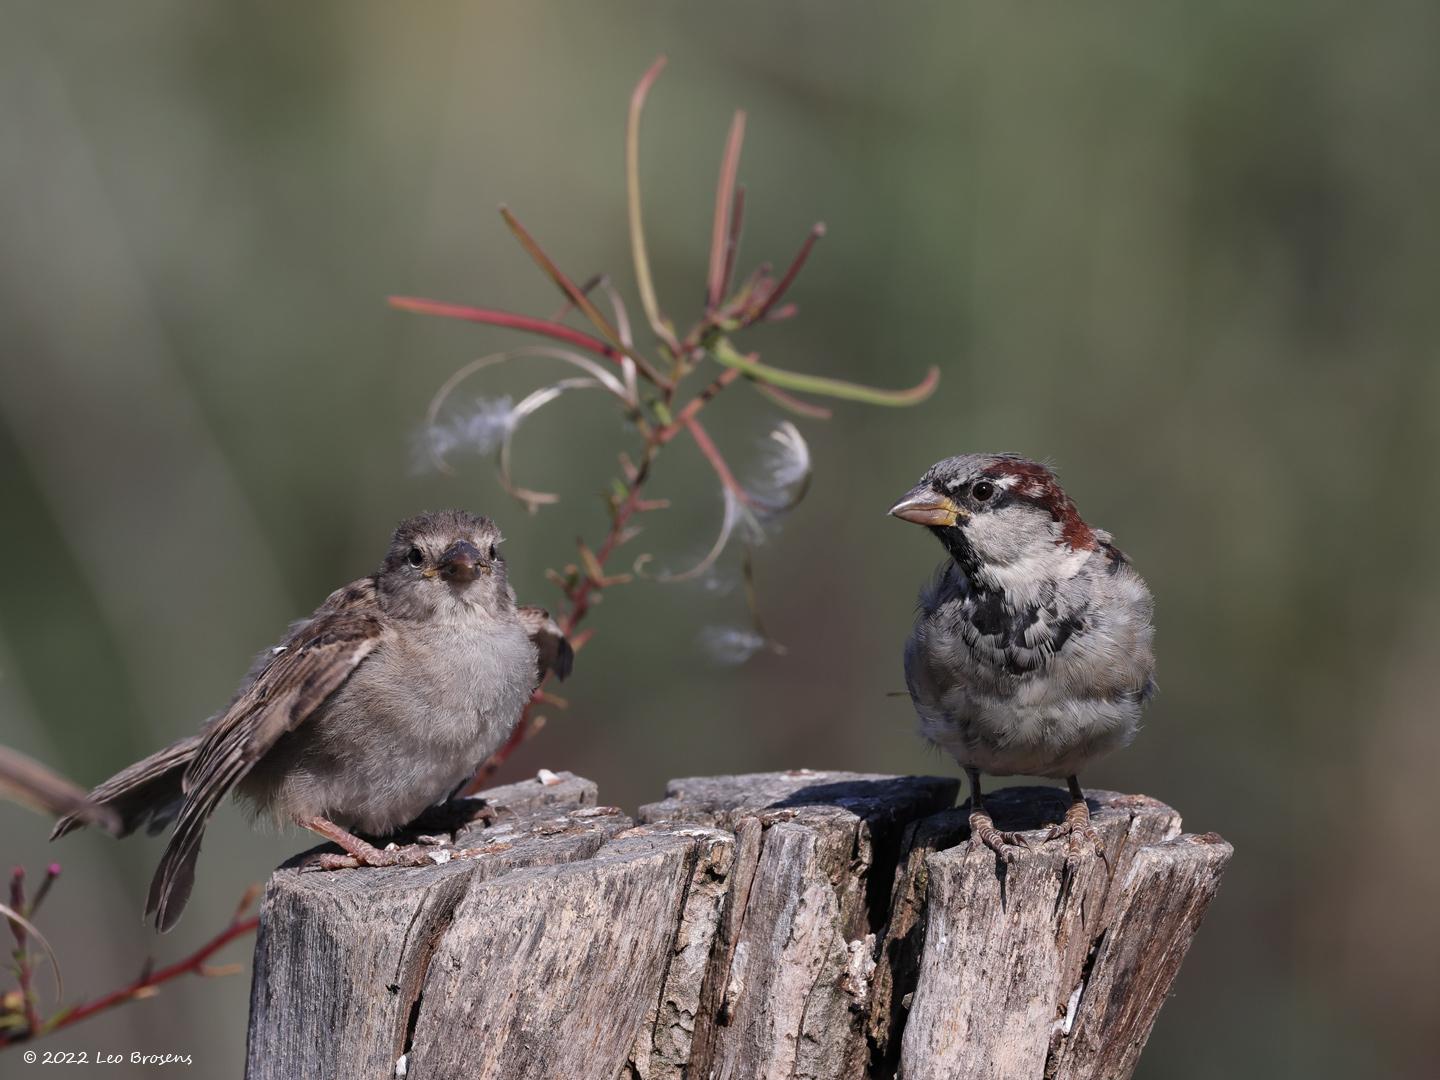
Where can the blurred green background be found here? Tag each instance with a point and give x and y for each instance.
(1187, 252)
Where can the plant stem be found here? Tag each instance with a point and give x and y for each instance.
(509, 319)
(142, 986)
(725, 353)
(578, 600)
(24, 972)
(640, 256)
(722, 237)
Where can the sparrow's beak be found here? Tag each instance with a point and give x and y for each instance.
(923, 505)
(462, 562)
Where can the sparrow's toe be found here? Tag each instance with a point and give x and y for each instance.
(1078, 839)
(1079, 835)
(982, 828)
(329, 861)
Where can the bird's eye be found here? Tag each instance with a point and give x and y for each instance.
(982, 491)
(415, 556)
(493, 553)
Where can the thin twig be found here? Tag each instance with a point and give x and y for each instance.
(578, 599)
(694, 405)
(789, 401)
(791, 272)
(759, 297)
(640, 257)
(717, 461)
(577, 297)
(732, 242)
(720, 233)
(509, 319)
(726, 353)
(566, 306)
(148, 981)
(24, 972)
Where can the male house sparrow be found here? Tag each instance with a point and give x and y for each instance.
(369, 711)
(1031, 651)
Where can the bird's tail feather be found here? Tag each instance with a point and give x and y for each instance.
(175, 876)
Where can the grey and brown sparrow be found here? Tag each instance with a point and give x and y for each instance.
(367, 713)
(1031, 652)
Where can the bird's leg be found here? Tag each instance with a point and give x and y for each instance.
(360, 852)
(1076, 828)
(982, 828)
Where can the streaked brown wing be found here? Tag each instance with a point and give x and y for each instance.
(556, 655)
(314, 661)
(146, 793)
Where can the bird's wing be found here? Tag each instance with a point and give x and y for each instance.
(146, 793)
(315, 660)
(550, 642)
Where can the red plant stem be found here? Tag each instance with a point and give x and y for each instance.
(579, 598)
(695, 404)
(24, 973)
(576, 295)
(717, 460)
(51, 873)
(790, 401)
(796, 265)
(721, 234)
(192, 964)
(724, 243)
(24, 979)
(511, 320)
(732, 243)
(587, 287)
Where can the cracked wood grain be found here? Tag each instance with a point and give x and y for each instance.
(814, 862)
(1005, 961)
(799, 924)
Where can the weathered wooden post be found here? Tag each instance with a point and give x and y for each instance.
(800, 924)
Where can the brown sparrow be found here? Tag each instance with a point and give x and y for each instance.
(368, 712)
(1031, 652)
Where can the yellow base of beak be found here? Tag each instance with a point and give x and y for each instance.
(923, 505)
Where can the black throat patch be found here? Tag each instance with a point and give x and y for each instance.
(1017, 638)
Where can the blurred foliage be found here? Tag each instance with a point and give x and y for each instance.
(1187, 253)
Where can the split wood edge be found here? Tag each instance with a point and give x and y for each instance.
(796, 924)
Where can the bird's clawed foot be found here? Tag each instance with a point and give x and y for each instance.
(390, 855)
(1002, 843)
(406, 855)
(1078, 833)
(359, 852)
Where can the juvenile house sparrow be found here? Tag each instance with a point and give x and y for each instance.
(368, 712)
(1031, 651)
